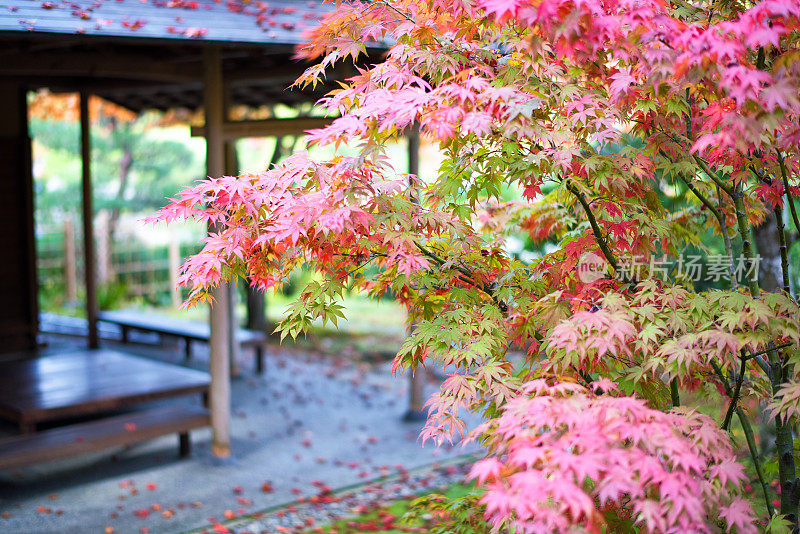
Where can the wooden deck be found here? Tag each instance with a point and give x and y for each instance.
(87, 382)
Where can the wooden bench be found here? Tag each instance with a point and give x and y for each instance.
(74, 440)
(187, 330)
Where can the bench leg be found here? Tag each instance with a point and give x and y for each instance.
(187, 345)
(184, 445)
(125, 334)
(259, 360)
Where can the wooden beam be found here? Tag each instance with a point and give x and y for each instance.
(219, 318)
(90, 277)
(267, 127)
(120, 66)
(28, 220)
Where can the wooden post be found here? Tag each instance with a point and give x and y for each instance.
(88, 223)
(19, 312)
(219, 343)
(70, 262)
(416, 385)
(416, 391)
(174, 256)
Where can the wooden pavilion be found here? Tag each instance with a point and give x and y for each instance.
(140, 54)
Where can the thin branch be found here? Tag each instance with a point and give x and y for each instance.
(763, 364)
(783, 250)
(751, 446)
(703, 165)
(711, 174)
(465, 275)
(598, 233)
(765, 351)
(780, 227)
(441, 261)
(751, 442)
(726, 239)
(744, 233)
(707, 203)
(736, 392)
(789, 199)
(723, 227)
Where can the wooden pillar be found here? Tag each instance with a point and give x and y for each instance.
(219, 343)
(89, 262)
(416, 391)
(174, 257)
(416, 385)
(19, 312)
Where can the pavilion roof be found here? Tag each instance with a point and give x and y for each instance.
(220, 21)
(148, 54)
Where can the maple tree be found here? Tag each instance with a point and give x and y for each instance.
(637, 391)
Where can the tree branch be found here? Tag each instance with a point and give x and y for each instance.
(466, 275)
(751, 446)
(703, 165)
(744, 233)
(726, 239)
(789, 200)
(783, 251)
(723, 227)
(751, 442)
(598, 233)
(736, 392)
(765, 351)
(711, 174)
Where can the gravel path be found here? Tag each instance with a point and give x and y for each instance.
(328, 506)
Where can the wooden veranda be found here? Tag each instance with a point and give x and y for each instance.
(140, 55)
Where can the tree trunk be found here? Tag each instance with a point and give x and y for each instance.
(70, 262)
(125, 164)
(768, 239)
(105, 271)
(768, 248)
